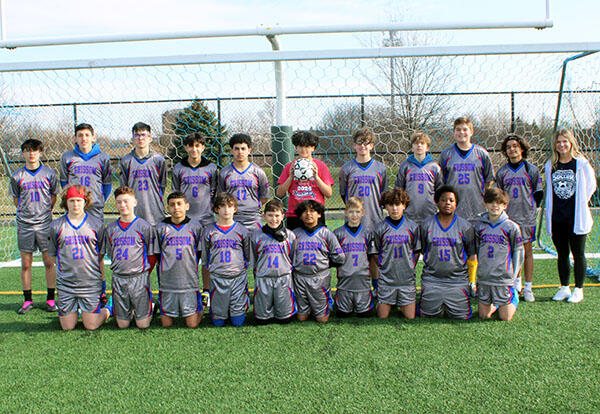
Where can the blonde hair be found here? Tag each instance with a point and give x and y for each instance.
(568, 134)
(355, 202)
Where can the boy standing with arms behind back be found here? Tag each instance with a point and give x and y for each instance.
(468, 168)
(365, 178)
(246, 181)
(419, 175)
(145, 171)
(88, 166)
(34, 188)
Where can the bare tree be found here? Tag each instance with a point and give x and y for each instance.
(415, 87)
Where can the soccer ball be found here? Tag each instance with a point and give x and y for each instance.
(303, 170)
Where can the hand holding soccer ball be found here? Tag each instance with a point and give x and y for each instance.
(304, 169)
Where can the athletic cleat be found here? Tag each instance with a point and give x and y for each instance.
(205, 299)
(576, 296)
(103, 300)
(27, 306)
(528, 295)
(51, 306)
(564, 292)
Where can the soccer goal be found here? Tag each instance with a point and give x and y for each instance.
(395, 90)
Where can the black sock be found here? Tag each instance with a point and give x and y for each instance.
(50, 294)
(285, 321)
(27, 295)
(263, 321)
(341, 314)
(366, 314)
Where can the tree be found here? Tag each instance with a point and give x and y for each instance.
(415, 87)
(199, 118)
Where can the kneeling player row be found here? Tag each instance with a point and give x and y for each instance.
(291, 269)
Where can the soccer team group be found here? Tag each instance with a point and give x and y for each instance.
(472, 240)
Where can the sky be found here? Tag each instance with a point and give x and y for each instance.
(47, 19)
(72, 18)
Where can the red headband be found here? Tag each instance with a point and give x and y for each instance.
(74, 192)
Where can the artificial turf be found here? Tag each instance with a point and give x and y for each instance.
(547, 359)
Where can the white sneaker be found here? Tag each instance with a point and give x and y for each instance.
(576, 296)
(528, 295)
(564, 292)
(518, 286)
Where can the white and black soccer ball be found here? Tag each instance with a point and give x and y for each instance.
(303, 169)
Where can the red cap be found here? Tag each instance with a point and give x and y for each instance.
(75, 192)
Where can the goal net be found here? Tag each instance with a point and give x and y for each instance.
(395, 96)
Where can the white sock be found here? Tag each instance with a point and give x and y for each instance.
(527, 285)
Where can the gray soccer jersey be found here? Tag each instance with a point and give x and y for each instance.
(199, 185)
(521, 184)
(354, 274)
(366, 183)
(271, 258)
(92, 172)
(499, 250)
(77, 250)
(468, 175)
(34, 191)
(446, 250)
(226, 252)
(396, 247)
(249, 187)
(148, 179)
(179, 245)
(419, 180)
(129, 246)
(316, 252)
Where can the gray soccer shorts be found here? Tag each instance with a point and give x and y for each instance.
(439, 297)
(182, 304)
(228, 296)
(497, 295)
(359, 302)
(396, 295)
(527, 233)
(132, 296)
(32, 238)
(313, 295)
(274, 297)
(68, 303)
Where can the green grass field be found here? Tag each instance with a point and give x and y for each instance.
(546, 360)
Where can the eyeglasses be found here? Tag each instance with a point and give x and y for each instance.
(363, 143)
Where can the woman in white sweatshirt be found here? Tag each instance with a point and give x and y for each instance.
(571, 182)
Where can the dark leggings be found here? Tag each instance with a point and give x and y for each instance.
(565, 240)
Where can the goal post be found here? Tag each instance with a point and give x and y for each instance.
(393, 90)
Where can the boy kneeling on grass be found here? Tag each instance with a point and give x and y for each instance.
(317, 250)
(353, 291)
(225, 252)
(179, 240)
(397, 243)
(131, 244)
(500, 256)
(272, 254)
(77, 242)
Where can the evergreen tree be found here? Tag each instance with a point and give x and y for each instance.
(199, 118)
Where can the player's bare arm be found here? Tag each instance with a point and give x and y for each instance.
(326, 189)
(282, 189)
